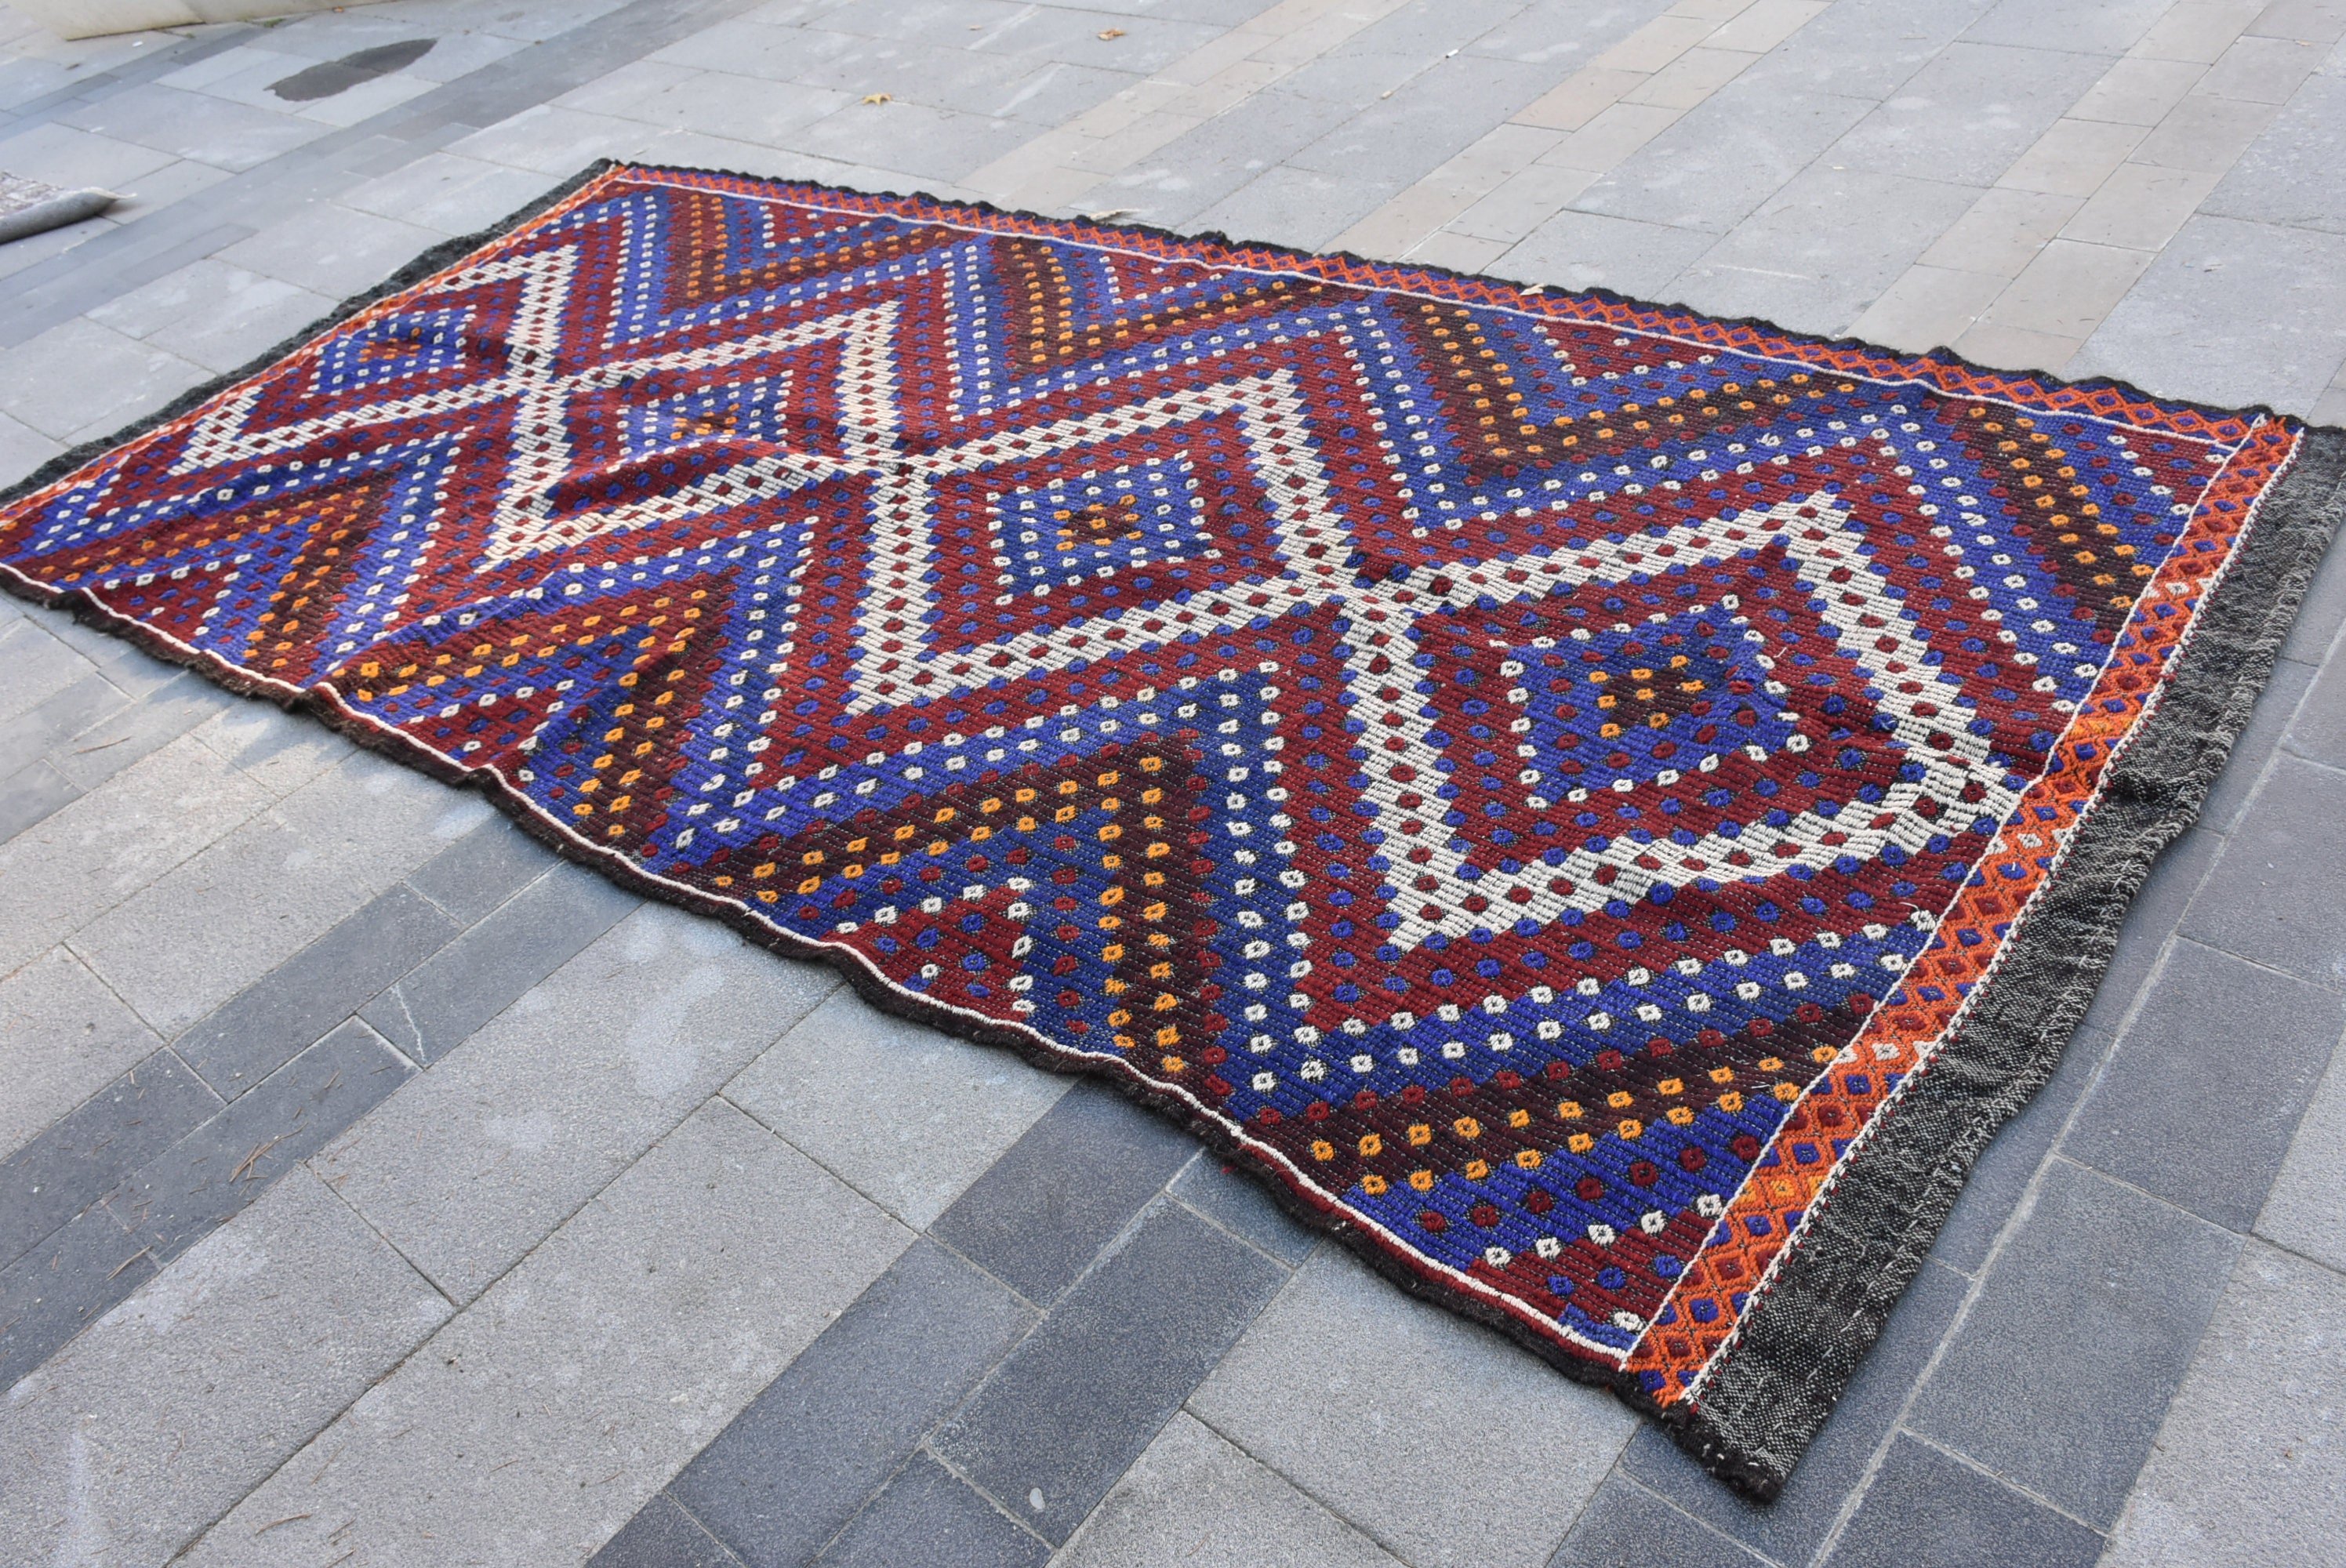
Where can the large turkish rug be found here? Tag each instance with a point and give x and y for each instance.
(1603, 811)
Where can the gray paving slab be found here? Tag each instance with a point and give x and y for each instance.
(2248, 1468)
(1089, 1389)
(537, 1422)
(80, 1157)
(452, 195)
(663, 1536)
(794, 1467)
(85, 858)
(229, 914)
(1864, 48)
(2086, 26)
(161, 714)
(1240, 1204)
(2060, 1370)
(1790, 1529)
(1200, 166)
(81, 374)
(1341, 1352)
(1191, 1498)
(1625, 1526)
(514, 1130)
(195, 126)
(433, 1011)
(1067, 1187)
(910, 1117)
(2271, 895)
(64, 1036)
(1726, 157)
(1434, 115)
(1585, 249)
(218, 315)
(264, 1025)
(2203, 1093)
(2302, 1212)
(331, 250)
(34, 794)
(2237, 312)
(278, 751)
(1816, 253)
(1301, 208)
(929, 1517)
(931, 144)
(181, 1399)
(1929, 1509)
(1968, 113)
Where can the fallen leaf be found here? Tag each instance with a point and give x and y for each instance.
(878, 99)
(1111, 32)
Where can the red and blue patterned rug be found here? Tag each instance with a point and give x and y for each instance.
(1603, 809)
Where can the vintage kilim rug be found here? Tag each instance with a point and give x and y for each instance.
(1604, 809)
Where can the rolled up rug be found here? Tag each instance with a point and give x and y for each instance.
(29, 207)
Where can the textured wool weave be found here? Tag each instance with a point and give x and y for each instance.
(1604, 809)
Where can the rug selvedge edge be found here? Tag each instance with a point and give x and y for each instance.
(1738, 1436)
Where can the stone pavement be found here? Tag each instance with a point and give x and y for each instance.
(374, 1189)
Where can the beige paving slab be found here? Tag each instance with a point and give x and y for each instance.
(165, 1412)
(2198, 31)
(1927, 307)
(2138, 92)
(2140, 206)
(2067, 290)
(2002, 232)
(2205, 134)
(539, 1421)
(2009, 348)
(2074, 157)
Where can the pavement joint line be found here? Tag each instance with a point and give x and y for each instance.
(1977, 1467)
(924, 1449)
(1383, 1543)
(1671, 1504)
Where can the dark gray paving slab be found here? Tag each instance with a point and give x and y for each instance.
(472, 980)
(796, 1465)
(2275, 706)
(1625, 1526)
(2319, 728)
(2207, 1086)
(216, 1171)
(79, 1159)
(2275, 895)
(1240, 1204)
(1063, 1190)
(1790, 1529)
(31, 795)
(928, 1518)
(64, 1285)
(481, 870)
(261, 1028)
(662, 1536)
(1925, 1510)
(1079, 1400)
(2321, 615)
(2062, 1369)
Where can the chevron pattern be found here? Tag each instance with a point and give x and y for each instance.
(1532, 774)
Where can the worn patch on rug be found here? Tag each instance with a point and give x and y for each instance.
(1602, 809)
